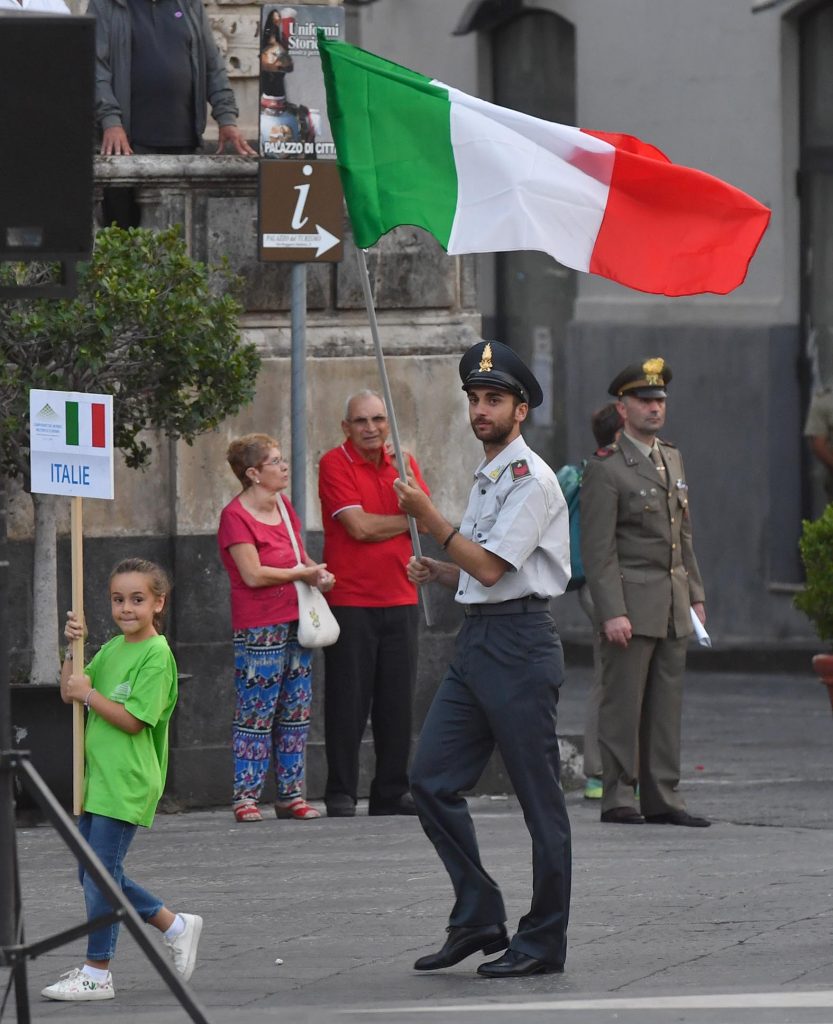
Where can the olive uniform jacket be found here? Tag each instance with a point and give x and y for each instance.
(636, 540)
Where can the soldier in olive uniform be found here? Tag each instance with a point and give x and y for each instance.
(640, 566)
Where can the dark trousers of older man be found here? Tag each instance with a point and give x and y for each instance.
(500, 689)
(371, 670)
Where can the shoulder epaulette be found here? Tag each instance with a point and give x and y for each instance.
(606, 452)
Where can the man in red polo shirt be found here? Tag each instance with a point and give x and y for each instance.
(372, 667)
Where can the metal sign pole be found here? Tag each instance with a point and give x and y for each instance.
(299, 393)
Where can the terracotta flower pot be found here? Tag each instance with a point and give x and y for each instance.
(823, 667)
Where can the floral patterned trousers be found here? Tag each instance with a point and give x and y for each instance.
(273, 679)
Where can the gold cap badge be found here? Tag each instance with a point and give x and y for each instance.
(486, 359)
(652, 368)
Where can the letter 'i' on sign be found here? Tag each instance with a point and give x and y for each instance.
(71, 443)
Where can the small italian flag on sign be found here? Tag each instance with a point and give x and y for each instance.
(85, 424)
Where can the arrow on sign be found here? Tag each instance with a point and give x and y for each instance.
(321, 240)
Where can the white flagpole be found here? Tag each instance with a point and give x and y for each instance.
(394, 429)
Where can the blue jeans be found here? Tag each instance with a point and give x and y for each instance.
(110, 839)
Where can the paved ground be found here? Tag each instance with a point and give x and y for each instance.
(730, 924)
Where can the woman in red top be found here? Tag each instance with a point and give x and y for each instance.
(272, 672)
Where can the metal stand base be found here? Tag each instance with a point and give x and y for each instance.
(16, 955)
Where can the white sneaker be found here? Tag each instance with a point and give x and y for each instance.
(183, 948)
(76, 986)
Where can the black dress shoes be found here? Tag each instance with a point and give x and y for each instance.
(340, 805)
(462, 942)
(623, 816)
(404, 805)
(677, 818)
(516, 965)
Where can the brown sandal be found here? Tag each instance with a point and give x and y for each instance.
(298, 809)
(247, 811)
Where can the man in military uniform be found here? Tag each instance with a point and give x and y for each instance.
(639, 563)
(510, 555)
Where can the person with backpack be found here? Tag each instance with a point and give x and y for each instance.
(605, 424)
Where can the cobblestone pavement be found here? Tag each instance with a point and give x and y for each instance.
(730, 924)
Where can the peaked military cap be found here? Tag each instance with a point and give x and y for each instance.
(647, 379)
(493, 364)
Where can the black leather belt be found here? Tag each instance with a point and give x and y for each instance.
(519, 606)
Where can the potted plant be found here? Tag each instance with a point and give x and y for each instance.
(816, 600)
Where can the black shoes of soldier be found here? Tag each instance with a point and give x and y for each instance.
(404, 805)
(622, 816)
(677, 818)
(462, 942)
(516, 965)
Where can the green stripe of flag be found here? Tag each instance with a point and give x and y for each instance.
(392, 131)
(71, 420)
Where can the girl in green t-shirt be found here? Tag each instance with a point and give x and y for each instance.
(129, 689)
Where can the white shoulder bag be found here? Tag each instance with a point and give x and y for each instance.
(317, 626)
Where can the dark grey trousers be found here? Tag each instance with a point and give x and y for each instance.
(501, 688)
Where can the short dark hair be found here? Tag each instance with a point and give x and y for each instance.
(606, 423)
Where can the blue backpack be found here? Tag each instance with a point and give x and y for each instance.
(569, 477)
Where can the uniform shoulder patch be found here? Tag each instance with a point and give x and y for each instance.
(607, 451)
(519, 468)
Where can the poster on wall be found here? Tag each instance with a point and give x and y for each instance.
(293, 106)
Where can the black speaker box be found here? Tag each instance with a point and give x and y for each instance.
(47, 82)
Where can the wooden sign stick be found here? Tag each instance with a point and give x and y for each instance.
(77, 540)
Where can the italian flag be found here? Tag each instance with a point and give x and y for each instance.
(85, 424)
(482, 178)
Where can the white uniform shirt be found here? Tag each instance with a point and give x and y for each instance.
(516, 510)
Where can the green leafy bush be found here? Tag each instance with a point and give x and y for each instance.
(816, 600)
(151, 326)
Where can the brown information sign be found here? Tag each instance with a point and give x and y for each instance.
(300, 212)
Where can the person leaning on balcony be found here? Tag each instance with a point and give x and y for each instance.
(157, 65)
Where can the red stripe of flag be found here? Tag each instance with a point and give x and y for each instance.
(98, 425)
(673, 230)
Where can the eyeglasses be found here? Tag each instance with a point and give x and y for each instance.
(280, 461)
(367, 421)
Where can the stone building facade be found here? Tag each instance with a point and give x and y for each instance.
(739, 90)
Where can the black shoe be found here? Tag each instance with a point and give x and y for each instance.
(623, 816)
(516, 965)
(677, 818)
(404, 805)
(340, 805)
(462, 942)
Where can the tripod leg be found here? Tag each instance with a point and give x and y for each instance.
(21, 988)
(82, 852)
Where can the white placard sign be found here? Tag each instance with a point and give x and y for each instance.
(71, 443)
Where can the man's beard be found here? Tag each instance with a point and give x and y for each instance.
(498, 432)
